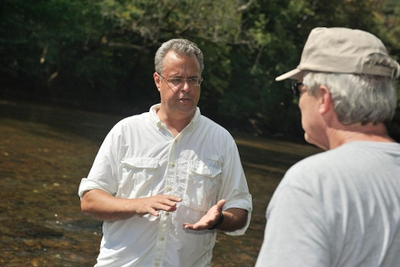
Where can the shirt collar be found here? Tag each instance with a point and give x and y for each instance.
(156, 120)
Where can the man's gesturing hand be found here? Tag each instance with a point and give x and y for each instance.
(208, 220)
(151, 205)
(103, 206)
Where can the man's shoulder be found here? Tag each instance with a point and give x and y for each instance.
(135, 118)
(211, 123)
(337, 163)
(133, 121)
(213, 126)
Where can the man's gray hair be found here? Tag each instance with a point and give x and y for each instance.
(356, 98)
(181, 47)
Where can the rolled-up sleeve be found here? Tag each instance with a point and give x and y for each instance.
(87, 184)
(243, 203)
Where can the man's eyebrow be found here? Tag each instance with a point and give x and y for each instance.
(182, 77)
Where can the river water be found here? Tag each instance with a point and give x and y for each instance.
(45, 151)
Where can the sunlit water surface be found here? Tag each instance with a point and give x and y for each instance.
(44, 152)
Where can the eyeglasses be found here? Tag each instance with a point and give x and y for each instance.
(296, 88)
(178, 82)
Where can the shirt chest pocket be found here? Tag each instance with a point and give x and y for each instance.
(203, 184)
(138, 177)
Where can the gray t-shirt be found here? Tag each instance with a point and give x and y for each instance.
(337, 208)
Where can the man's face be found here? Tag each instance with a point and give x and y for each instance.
(178, 100)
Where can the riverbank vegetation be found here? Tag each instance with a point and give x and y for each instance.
(98, 54)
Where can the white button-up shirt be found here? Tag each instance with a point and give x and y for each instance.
(139, 158)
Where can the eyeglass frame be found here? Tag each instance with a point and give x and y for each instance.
(183, 81)
(296, 88)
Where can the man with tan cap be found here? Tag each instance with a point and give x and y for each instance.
(340, 207)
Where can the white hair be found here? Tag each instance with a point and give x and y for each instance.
(356, 98)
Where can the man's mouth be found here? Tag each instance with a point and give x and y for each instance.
(184, 99)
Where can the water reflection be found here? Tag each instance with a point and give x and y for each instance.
(45, 151)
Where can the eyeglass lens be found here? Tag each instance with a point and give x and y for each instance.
(179, 82)
(296, 88)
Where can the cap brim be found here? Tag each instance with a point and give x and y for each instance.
(293, 74)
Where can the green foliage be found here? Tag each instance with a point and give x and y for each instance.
(98, 54)
(42, 39)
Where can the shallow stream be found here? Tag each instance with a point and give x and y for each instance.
(45, 151)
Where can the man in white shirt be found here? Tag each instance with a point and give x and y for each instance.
(340, 207)
(164, 180)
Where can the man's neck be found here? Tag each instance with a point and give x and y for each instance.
(357, 132)
(174, 123)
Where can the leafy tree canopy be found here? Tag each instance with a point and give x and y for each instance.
(98, 54)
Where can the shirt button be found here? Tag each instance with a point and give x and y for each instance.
(161, 238)
(169, 188)
(172, 164)
(157, 264)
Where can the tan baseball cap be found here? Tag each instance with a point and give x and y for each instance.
(342, 50)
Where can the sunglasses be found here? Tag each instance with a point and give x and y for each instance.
(296, 88)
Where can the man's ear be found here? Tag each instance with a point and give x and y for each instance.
(325, 99)
(157, 80)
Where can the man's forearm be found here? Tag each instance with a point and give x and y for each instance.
(234, 219)
(104, 206)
